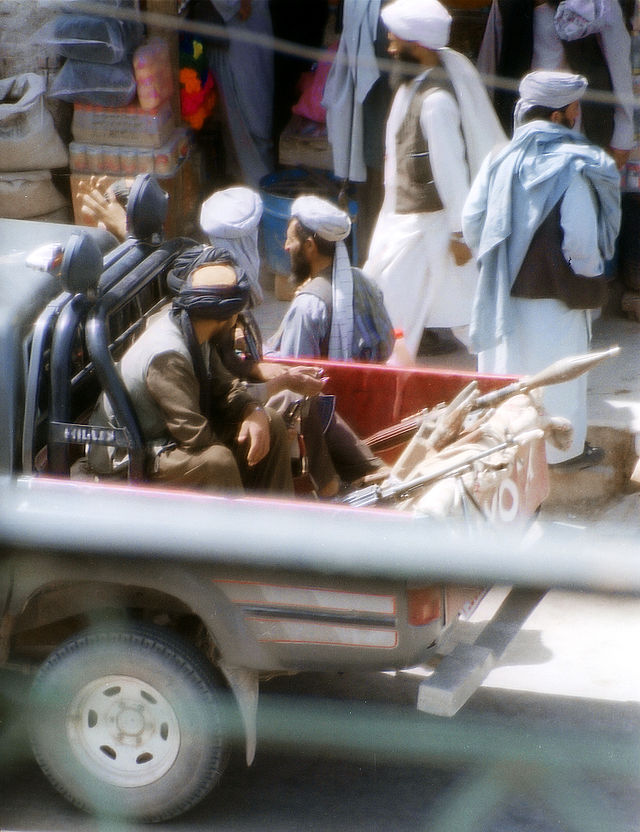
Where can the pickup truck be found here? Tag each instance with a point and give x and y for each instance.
(145, 669)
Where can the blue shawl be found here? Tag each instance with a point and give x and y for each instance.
(514, 192)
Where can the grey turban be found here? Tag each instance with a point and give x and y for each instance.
(547, 88)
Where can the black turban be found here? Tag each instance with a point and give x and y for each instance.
(215, 303)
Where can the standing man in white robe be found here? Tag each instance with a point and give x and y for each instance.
(440, 127)
(542, 216)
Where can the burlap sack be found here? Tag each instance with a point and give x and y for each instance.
(28, 137)
(28, 194)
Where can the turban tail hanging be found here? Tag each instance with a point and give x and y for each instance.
(217, 303)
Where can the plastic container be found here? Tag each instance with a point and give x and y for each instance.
(95, 158)
(400, 357)
(168, 157)
(129, 161)
(152, 70)
(146, 162)
(111, 159)
(78, 158)
(278, 190)
(105, 85)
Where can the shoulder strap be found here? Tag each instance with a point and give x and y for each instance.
(321, 287)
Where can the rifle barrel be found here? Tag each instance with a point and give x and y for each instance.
(374, 494)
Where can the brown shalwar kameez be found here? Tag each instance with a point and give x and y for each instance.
(206, 452)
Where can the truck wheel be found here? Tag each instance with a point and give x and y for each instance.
(129, 722)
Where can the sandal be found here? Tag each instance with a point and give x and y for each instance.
(590, 456)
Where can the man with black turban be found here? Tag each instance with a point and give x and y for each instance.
(201, 425)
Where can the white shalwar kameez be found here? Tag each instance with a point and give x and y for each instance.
(546, 330)
(409, 254)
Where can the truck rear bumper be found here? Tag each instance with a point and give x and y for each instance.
(461, 672)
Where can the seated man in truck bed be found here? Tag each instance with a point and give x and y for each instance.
(201, 425)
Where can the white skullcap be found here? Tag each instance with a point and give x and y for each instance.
(231, 213)
(426, 22)
(322, 217)
(547, 88)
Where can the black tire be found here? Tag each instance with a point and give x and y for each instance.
(129, 722)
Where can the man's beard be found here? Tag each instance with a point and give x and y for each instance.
(222, 333)
(401, 72)
(300, 269)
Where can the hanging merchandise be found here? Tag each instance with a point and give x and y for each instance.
(576, 19)
(311, 86)
(197, 87)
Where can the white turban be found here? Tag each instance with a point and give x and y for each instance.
(327, 221)
(548, 88)
(426, 22)
(231, 213)
(322, 217)
(230, 220)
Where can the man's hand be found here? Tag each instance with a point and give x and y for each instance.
(460, 251)
(254, 433)
(307, 381)
(99, 205)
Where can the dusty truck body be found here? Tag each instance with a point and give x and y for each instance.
(138, 659)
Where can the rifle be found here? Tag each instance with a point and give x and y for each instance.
(565, 369)
(376, 494)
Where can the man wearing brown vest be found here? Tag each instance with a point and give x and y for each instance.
(440, 127)
(542, 216)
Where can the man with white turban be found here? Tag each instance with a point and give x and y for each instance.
(230, 219)
(440, 127)
(319, 324)
(316, 326)
(542, 216)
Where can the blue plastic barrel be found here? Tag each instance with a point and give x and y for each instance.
(278, 190)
